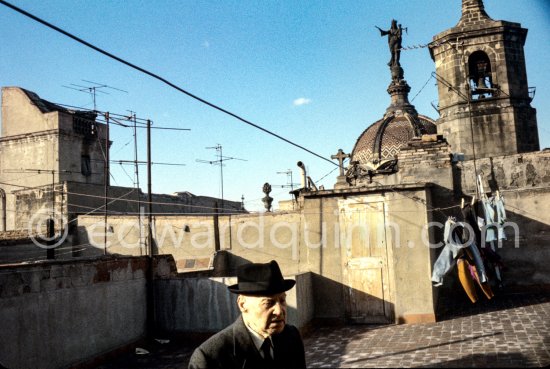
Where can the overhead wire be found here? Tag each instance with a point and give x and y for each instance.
(120, 198)
(127, 175)
(168, 82)
(419, 91)
(155, 76)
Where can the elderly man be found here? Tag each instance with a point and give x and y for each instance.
(260, 338)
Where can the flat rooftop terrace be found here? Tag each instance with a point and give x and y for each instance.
(511, 330)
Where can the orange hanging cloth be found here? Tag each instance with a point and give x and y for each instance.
(466, 279)
(485, 287)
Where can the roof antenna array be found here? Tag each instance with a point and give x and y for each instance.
(93, 89)
(221, 159)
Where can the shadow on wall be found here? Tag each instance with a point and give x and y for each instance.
(336, 304)
(201, 304)
(226, 264)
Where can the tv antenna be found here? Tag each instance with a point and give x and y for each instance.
(289, 181)
(219, 162)
(93, 90)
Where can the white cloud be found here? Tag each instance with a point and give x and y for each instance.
(301, 101)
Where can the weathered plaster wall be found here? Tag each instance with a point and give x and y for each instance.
(185, 304)
(324, 256)
(250, 237)
(21, 116)
(305, 241)
(524, 182)
(264, 237)
(16, 157)
(413, 294)
(72, 146)
(55, 314)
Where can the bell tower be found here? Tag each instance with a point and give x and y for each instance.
(484, 99)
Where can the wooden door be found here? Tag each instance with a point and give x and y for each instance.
(365, 263)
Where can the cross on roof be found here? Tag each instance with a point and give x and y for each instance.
(341, 157)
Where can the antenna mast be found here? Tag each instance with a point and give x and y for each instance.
(289, 181)
(219, 162)
(93, 89)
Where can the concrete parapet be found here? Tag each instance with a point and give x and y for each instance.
(199, 305)
(59, 313)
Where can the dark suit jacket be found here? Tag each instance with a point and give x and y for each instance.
(233, 348)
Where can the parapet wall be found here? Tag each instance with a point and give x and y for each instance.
(55, 314)
(206, 305)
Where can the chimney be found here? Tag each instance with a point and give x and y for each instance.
(303, 177)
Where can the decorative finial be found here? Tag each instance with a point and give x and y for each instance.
(267, 200)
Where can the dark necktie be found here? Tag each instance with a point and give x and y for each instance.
(266, 349)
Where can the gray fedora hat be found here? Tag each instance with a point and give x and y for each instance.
(261, 280)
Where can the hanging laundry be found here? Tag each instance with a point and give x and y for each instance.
(475, 256)
(470, 217)
(452, 238)
(466, 279)
(498, 203)
(485, 287)
(490, 225)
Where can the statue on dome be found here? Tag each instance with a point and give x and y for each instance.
(395, 35)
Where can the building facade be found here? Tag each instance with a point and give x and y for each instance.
(52, 163)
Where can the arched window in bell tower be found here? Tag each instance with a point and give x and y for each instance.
(480, 76)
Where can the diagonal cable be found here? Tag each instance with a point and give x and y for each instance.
(142, 70)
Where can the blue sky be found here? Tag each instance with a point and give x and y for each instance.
(313, 72)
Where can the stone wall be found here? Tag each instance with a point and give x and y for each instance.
(59, 313)
(499, 122)
(429, 160)
(524, 182)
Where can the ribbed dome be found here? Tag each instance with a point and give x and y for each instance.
(382, 140)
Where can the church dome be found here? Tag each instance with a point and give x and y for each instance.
(377, 148)
(380, 143)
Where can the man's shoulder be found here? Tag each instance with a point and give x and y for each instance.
(214, 351)
(218, 340)
(291, 330)
(290, 336)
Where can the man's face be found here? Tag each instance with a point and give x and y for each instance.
(266, 315)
